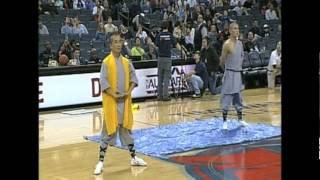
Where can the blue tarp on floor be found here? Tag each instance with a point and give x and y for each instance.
(176, 138)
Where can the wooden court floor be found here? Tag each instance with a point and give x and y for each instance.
(65, 155)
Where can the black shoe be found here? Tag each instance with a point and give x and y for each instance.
(166, 99)
(196, 96)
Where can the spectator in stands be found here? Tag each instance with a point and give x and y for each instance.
(146, 9)
(78, 4)
(225, 19)
(250, 44)
(65, 48)
(219, 3)
(67, 27)
(266, 31)
(134, 9)
(248, 4)
(224, 35)
(97, 12)
(141, 33)
(105, 3)
(198, 77)
(48, 7)
(188, 15)
(100, 34)
(271, 13)
(192, 3)
(79, 28)
(40, 10)
(210, 57)
(94, 58)
(77, 58)
(274, 67)
(43, 29)
(125, 51)
(276, 6)
(74, 45)
(181, 13)
(124, 31)
(255, 28)
(152, 52)
(207, 16)
(154, 4)
(105, 13)
(149, 43)
(189, 39)
(136, 50)
(216, 21)
(109, 27)
(213, 34)
(240, 10)
(68, 4)
(46, 55)
(200, 32)
(177, 33)
(137, 20)
(58, 4)
(234, 2)
(89, 4)
(197, 12)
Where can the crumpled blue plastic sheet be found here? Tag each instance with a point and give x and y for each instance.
(176, 138)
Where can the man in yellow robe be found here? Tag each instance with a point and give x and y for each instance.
(117, 79)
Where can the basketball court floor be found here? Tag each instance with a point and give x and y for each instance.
(65, 155)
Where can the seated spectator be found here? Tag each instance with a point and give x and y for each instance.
(234, 2)
(97, 11)
(77, 59)
(274, 67)
(89, 4)
(146, 9)
(125, 32)
(141, 33)
(250, 44)
(197, 77)
(248, 4)
(207, 16)
(177, 33)
(79, 28)
(105, 13)
(100, 34)
(136, 50)
(189, 39)
(255, 29)
(271, 13)
(48, 7)
(94, 57)
(213, 34)
(240, 10)
(225, 19)
(46, 55)
(67, 27)
(109, 27)
(266, 31)
(181, 13)
(66, 49)
(79, 4)
(125, 51)
(43, 29)
(152, 52)
(58, 4)
(74, 44)
(67, 4)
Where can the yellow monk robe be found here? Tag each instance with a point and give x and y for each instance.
(109, 103)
